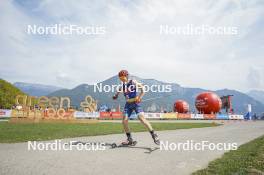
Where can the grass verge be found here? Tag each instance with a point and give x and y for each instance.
(247, 159)
(10, 132)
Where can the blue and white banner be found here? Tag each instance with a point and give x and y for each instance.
(236, 117)
(80, 114)
(197, 116)
(222, 116)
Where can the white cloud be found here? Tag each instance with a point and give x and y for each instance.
(132, 41)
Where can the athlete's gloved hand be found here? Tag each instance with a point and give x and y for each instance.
(138, 99)
(115, 97)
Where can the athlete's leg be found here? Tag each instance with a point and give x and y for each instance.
(125, 124)
(144, 121)
(140, 114)
(127, 113)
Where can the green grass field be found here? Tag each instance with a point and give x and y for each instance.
(247, 159)
(10, 133)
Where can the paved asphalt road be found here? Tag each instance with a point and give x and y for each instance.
(145, 158)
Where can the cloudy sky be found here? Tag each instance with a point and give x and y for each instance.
(133, 41)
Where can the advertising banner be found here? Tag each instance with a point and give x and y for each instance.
(184, 116)
(105, 115)
(116, 115)
(197, 116)
(222, 116)
(153, 115)
(169, 116)
(209, 116)
(5, 113)
(80, 114)
(236, 117)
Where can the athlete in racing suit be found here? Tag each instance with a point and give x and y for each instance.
(133, 99)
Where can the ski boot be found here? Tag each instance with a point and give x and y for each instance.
(156, 139)
(129, 142)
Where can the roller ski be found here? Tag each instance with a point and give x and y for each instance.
(129, 142)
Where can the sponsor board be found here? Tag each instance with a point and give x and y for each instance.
(80, 114)
(116, 115)
(105, 115)
(111, 115)
(236, 117)
(5, 113)
(169, 115)
(153, 115)
(209, 116)
(197, 116)
(184, 116)
(222, 116)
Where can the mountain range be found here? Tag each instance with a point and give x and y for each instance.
(36, 89)
(240, 100)
(257, 94)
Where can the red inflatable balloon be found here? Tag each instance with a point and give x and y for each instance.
(181, 106)
(208, 103)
